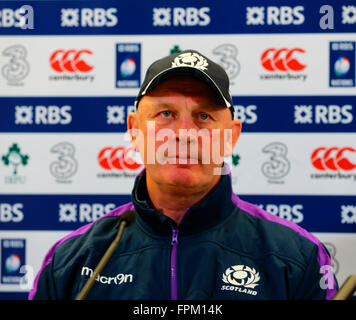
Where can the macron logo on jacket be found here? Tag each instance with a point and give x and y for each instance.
(118, 279)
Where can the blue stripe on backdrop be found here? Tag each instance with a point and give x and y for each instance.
(314, 213)
(13, 295)
(69, 212)
(54, 212)
(108, 114)
(174, 17)
(63, 114)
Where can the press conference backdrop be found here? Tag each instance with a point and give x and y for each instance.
(69, 74)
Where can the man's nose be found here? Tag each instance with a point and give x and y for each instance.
(183, 126)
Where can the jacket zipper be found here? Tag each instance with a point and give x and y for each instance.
(174, 242)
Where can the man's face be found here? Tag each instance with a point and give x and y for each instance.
(182, 115)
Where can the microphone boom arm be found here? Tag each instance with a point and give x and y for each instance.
(126, 220)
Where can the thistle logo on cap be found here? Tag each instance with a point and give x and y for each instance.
(190, 59)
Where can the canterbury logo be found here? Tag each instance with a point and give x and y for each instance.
(70, 61)
(332, 159)
(282, 59)
(117, 158)
(241, 275)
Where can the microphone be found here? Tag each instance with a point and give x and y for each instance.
(347, 289)
(127, 218)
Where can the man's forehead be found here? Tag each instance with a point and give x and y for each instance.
(183, 85)
(176, 100)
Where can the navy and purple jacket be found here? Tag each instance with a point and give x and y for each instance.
(223, 248)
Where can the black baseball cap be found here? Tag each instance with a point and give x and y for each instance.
(188, 62)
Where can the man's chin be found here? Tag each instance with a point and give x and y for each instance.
(181, 174)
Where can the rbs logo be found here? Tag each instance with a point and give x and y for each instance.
(189, 17)
(321, 114)
(19, 18)
(246, 114)
(83, 212)
(292, 213)
(51, 115)
(87, 17)
(283, 15)
(11, 212)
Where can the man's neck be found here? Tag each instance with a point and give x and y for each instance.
(173, 202)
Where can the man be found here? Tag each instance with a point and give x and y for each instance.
(192, 238)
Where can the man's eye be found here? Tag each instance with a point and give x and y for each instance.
(204, 116)
(166, 113)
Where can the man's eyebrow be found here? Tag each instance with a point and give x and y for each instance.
(167, 103)
(206, 107)
(162, 105)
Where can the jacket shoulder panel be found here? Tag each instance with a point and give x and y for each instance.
(286, 237)
(70, 242)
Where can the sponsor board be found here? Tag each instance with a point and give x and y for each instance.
(176, 18)
(65, 163)
(55, 212)
(256, 65)
(65, 114)
(257, 114)
(269, 163)
(295, 163)
(68, 212)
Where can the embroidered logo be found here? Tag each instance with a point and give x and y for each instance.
(241, 278)
(190, 59)
(107, 280)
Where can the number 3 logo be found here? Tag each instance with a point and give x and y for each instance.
(66, 165)
(18, 68)
(278, 165)
(228, 60)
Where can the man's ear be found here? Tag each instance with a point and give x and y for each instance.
(236, 130)
(231, 136)
(132, 129)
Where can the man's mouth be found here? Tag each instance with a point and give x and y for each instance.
(183, 159)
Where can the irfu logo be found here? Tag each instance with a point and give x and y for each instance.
(175, 50)
(235, 159)
(15, 158)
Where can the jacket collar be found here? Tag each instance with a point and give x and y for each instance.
(211, 211)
